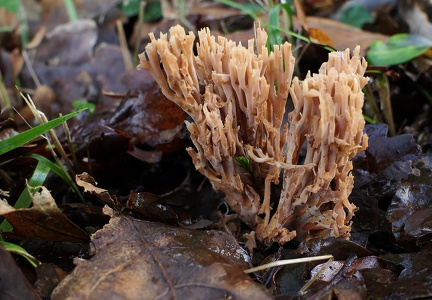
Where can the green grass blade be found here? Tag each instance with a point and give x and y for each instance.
(24, 200)
(71, 10)
(288, 32)
(28, 135)
(10, 5)
(289, 15)
(56, 169)
(244, 8)
(274, 33)
(13, 248)
(296, 35)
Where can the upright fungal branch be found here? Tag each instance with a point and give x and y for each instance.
(236, 97)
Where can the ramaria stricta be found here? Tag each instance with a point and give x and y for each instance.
(236, 97)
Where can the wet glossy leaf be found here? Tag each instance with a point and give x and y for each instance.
(341, 249)
(419, 286)
(356, 15)
(378, 173)
(400, 48)
(150, 206)
(150, 118)
(409, 210)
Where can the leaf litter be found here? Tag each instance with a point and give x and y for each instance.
(129, 145)
(142, 259)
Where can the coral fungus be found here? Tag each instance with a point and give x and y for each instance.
(236, 97)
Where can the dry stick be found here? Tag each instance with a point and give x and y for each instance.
(287, 262)
(69, 139)
(30, 68)
(40, 116)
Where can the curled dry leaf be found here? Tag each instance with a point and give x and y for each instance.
(42, 221)
(89, 184)
(138, 259)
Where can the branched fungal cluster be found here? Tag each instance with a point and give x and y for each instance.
(236, 97)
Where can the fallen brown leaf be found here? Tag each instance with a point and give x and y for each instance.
(136, 259)
(345, 36)
(42, 221)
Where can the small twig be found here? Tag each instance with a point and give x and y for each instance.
(40, 116)
(71, 147)
(30, 68)
(287, 262)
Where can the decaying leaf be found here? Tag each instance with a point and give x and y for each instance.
(379, 172)
(410, 209)
(80, 36)
(345, 36)
(13, 284)
(138, 259)
(89, 184)
(42, 221)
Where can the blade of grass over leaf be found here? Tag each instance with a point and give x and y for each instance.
(80, 104)
(275, 37)
(289, 15)
(56, 169)
(36, 180)
(296, 35)
(15, 249)
(400, 48)
(28, 135)
(369, 119)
